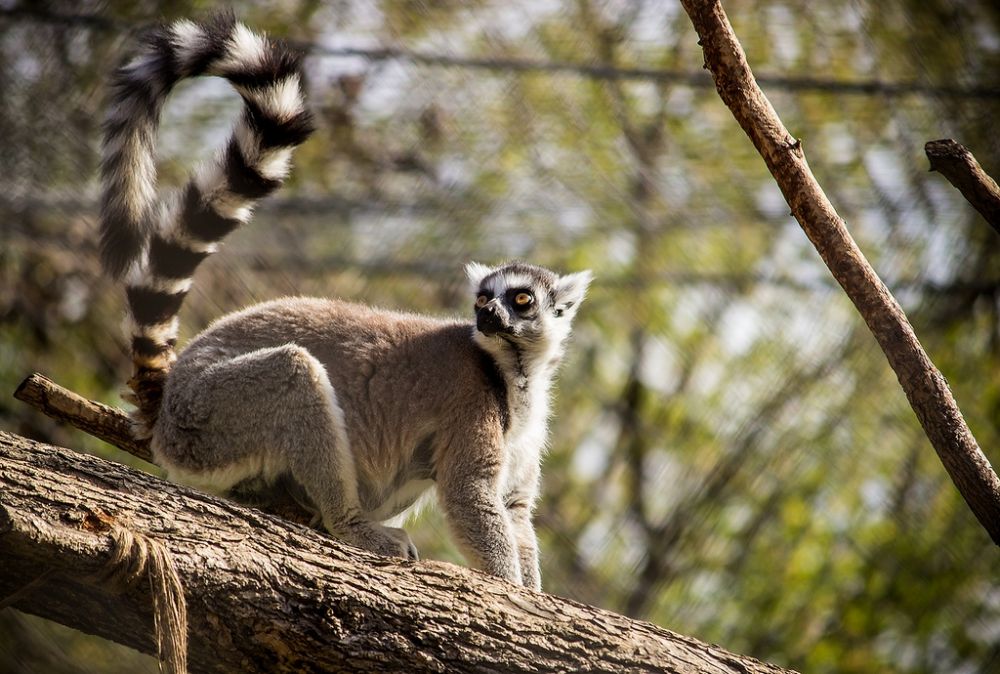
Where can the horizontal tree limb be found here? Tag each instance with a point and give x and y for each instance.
(952, 160)
(265, 595)
(924, 386)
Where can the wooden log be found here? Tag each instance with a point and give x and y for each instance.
(266, 595)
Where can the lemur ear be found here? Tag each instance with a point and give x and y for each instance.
(570, 291)
(476, 273)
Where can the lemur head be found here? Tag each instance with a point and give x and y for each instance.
(523, 308)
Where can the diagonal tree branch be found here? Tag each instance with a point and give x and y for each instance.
(952, 160)
(104, 422)
(924, 386)
(114, 427)
(264, 595)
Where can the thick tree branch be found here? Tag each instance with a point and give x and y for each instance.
(925, 387)
(952, 160)
(266, 595)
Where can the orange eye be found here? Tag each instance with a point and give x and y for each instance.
(481, 301)
(523, 299)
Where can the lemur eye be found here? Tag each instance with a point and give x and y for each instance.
(481, 301)
(523, 299)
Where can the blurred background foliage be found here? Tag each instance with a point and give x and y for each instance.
(731, 456)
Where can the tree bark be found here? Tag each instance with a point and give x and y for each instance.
(104, 422)
(952, 160)
(924, 386)
(266, 595)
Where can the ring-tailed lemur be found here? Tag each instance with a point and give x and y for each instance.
(361, 409)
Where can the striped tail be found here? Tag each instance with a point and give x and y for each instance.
(156, 244)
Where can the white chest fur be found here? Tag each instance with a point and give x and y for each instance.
(525, 437)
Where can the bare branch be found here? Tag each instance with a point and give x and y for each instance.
(104, 422)
(924, 386)
(952, 160)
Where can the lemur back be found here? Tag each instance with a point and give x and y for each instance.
(361, 410)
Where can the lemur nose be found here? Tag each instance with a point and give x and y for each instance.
(488, 319)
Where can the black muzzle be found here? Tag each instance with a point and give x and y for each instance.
(490, 321)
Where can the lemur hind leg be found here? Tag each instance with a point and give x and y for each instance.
(268, 413)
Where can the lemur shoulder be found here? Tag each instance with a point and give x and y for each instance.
(362, 409)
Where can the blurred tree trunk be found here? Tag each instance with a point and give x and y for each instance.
(266, 595)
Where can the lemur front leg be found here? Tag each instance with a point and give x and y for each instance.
(520, 509)
(468, 488)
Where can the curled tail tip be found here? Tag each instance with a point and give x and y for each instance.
(218, 24)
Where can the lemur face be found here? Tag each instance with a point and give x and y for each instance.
(525, 304)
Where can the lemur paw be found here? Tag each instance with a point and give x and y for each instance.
(408, 549)
(388, 541)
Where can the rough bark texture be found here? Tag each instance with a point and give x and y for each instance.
(265, 595)
(925, 387)
(952, 160)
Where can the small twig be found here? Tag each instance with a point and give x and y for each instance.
(104, 422)
(115, 427)
(952, 160)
